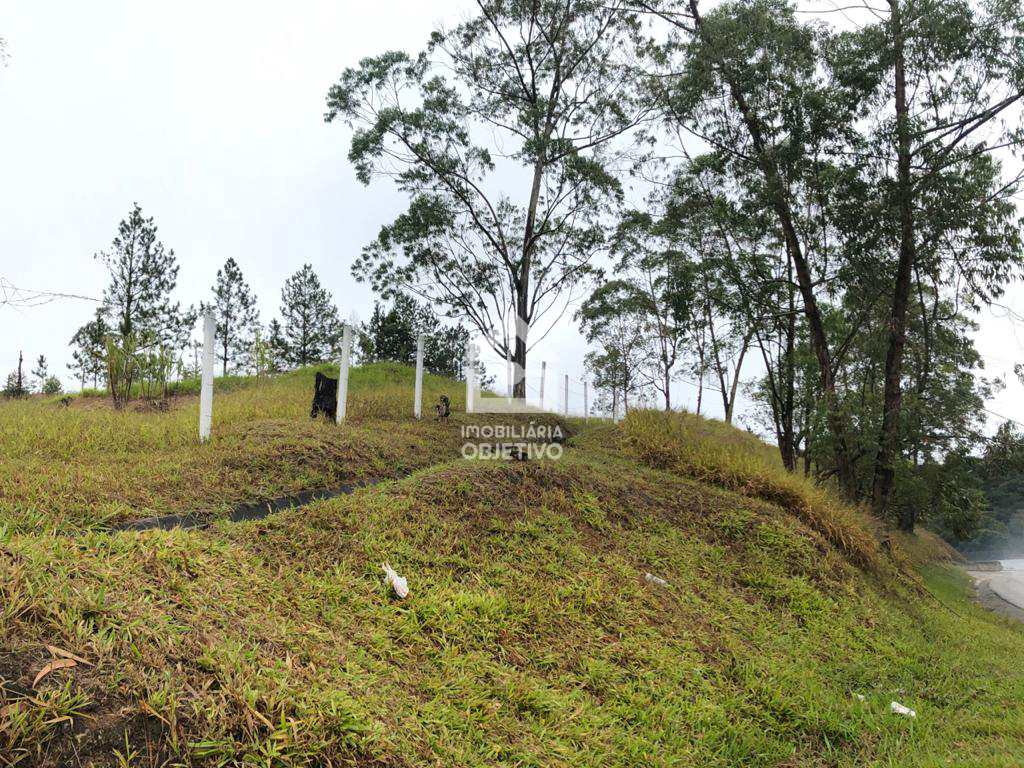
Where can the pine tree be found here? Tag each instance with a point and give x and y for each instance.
(277, 347)
(90, 350)
(41, 371)
(234, 305)
(311, 326)
(392, 335)
(143, 274)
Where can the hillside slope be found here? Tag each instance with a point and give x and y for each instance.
(90, 467)
(531, 635)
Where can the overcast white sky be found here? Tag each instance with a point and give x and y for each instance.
(210, 116)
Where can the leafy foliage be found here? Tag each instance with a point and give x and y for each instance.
(549, 82)
(392, 335)
(89, 350)
(311, 330)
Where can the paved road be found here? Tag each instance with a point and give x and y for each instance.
(1008, 584)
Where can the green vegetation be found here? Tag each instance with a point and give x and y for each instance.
(530, 637)
(88, 466)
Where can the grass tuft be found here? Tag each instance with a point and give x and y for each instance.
(714, 453)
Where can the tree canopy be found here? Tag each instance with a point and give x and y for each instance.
(523, 96)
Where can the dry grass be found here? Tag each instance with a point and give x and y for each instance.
(714, 453)
(88, 466)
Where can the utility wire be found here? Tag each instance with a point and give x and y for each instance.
(12, 295)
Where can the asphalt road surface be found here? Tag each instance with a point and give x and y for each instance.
(1007, 584)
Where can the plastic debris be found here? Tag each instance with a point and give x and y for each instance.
(398, 583)
(650, 578)
(859, 697)
(898, 709)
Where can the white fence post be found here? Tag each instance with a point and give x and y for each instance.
(206, 388)
(566, 401)
(470, 375)
(508, 374)
(586, 402)
(543, 373)
(418, 407)
(346, 353)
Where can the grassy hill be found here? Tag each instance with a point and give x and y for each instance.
(531, 635)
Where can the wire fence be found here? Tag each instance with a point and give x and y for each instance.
(548, 387)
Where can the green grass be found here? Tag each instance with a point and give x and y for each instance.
(530, 637)
(89, 466)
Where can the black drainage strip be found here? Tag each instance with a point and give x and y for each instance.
(249, 511)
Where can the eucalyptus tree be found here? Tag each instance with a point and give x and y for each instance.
(656, 284)
(536, 96)
(614, 317)
(749, 80)
(724, 241)
(948, 74)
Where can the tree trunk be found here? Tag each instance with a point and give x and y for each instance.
(519, 356)
(889, 439)
(788, 404)
(908, 518)
(736, 378)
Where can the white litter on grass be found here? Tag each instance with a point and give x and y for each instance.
(859, 697)
(398, 583)
(898, 709)
(650, 578)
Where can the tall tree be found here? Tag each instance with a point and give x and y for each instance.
(143, 275)
(747, 77)
(311, 327)
(234, 306)
(614, 319)
(547, 81)
(956, 68)
(657, 280)
(277, 347)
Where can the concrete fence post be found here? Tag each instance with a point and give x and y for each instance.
(206, 387)
(543, 374)
(470, 375)
(346, 354)
(418, 406)
(565, 403)
(586, 401)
